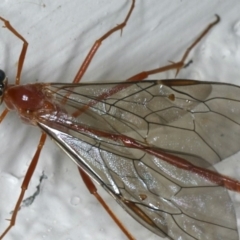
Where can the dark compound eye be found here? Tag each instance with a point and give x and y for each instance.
(2, 83)
(2, 75)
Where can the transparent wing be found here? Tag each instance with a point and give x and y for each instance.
(152, 145)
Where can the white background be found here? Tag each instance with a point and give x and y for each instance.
(59, 35)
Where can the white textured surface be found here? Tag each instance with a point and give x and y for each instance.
(59, 35)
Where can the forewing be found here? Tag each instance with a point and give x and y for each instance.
(198, 118)
(189, 119)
